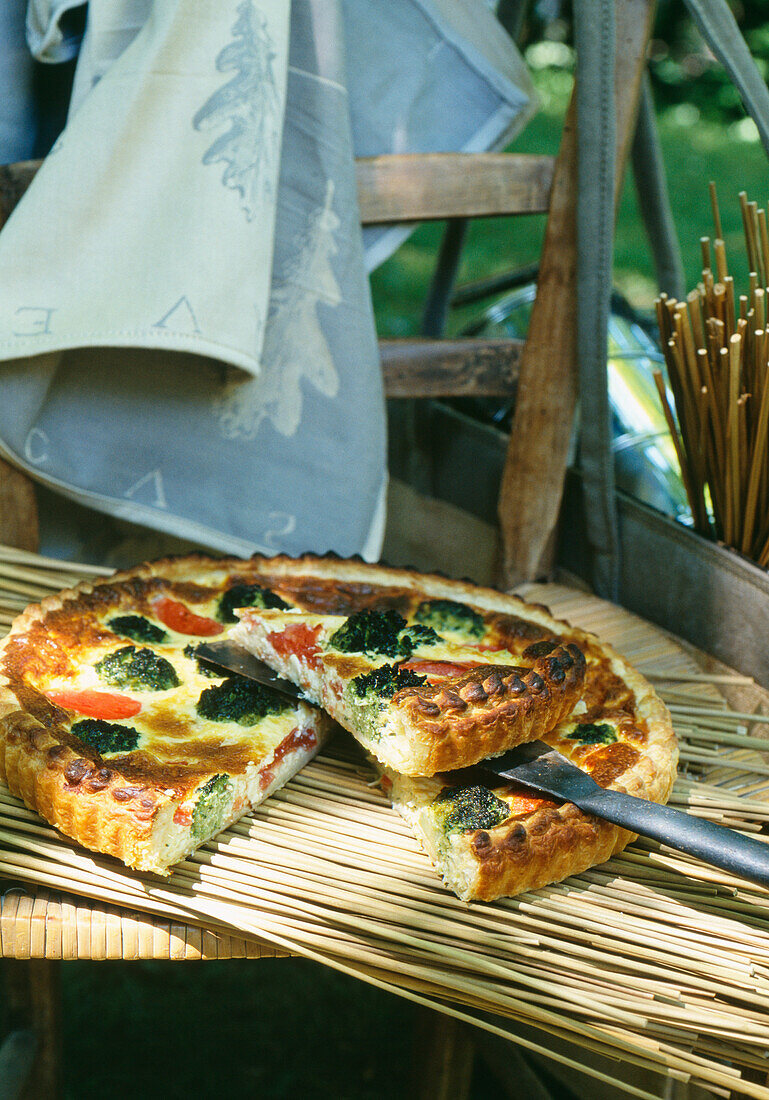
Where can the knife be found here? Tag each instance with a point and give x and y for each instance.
(228, 657)
(545, 770)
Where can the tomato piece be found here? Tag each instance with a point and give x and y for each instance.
(297, 739)
(94, 704)
(441, 670)
(176, 616)
(298, 639)
(182, 816)
(523, 804)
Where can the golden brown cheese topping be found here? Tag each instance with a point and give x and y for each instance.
(60, 652)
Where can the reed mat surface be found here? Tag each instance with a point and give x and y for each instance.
(653, 959)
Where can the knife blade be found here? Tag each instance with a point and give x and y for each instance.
(545, 770)
(227, 657)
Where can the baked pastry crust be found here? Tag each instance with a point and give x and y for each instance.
(543, 844)
(432, 726)
(126, 805)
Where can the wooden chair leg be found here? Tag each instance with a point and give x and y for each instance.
(32, 1003)
(18, 509)
(444, 1051)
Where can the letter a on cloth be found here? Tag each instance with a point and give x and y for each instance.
(184, 314)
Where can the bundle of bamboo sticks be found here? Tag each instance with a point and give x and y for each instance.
(716, 346)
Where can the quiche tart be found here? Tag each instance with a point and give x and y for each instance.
(113, 730)
(418, 700)
(125, 802)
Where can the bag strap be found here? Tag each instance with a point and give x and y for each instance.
(594, 34)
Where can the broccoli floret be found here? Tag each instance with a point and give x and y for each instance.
(464, 809)
(246, 595)
(414, 636)
(137, 670)
(137, 628)
(447, 615)
(385, 681)
(590, 734)
(106, 736)
(370, 632)
(203, 668)
(383, 633)
(240, 700)
(214, 799)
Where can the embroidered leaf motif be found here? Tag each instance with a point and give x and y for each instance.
(295, 345)
(249, 107)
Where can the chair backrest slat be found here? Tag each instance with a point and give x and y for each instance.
(432, 186)
(406, 188)
(450, 368)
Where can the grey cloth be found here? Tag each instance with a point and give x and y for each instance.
(595, 42)
(430, 76)
(270, 436)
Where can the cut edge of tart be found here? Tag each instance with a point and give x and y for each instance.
(149, 804)
(148, 826)
(419, 703)
(488, 838)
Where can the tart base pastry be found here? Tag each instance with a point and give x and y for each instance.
(619, 730)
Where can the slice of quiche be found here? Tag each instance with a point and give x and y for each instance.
(114, 731)
(418, 702)
(489, 837)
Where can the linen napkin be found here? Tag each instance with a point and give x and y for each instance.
(148, 233)
(422, 76)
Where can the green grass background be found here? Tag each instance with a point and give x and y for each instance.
(696, 150)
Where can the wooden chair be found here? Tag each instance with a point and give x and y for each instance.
(415, 188)
(541, 371)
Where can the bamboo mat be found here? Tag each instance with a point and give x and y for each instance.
(652, 958)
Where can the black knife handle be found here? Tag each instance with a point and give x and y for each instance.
(725, 848)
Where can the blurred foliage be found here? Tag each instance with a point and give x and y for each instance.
(682, 68)
(684, 71)
(705, 135)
